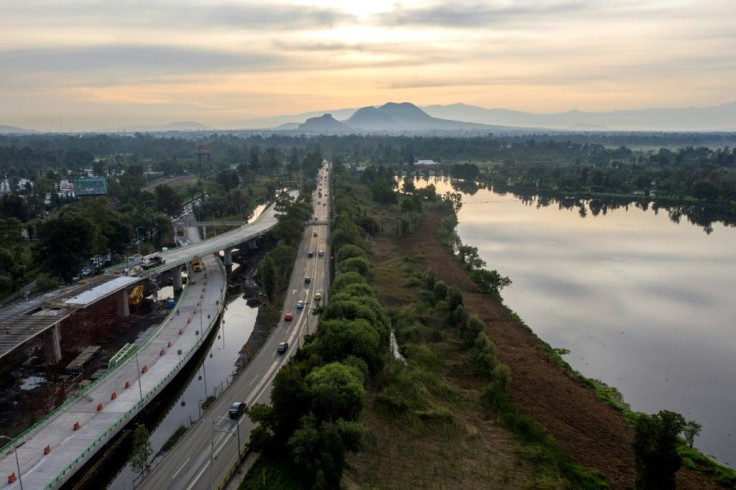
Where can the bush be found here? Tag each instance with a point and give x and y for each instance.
(355, 264)
(45, 283)
(350, 251)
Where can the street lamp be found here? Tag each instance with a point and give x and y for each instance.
(138, 368)
(17, 463)
(201, 338)
(237, 426)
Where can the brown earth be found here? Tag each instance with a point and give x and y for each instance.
(593, 432)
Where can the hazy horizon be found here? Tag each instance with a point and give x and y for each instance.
(85, 65)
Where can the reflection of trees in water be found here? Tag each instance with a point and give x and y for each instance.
(700, 215)
(467, 186)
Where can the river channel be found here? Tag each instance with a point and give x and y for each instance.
(213, 374)
(641, 302)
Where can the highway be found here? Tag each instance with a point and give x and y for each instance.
(20, 327)
(208, 453)
(233, 238)
(58, 445)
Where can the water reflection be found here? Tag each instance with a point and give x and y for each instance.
(702, 215)
(642, 304)
(213, 375)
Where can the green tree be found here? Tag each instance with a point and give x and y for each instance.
(408, 185)
(98, 168)
(336, 393)
(142, 449)
(355, 264)
(341, 338)
(65, 242)
(167, 200)
(228, 179)
(350, 251)
(690, 431)
(489, 281)
(267, 277)
(655, 450)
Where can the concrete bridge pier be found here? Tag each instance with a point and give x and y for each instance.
(123, 306)
(228, 256)
(176, 278)
(52, 341)
(252, 244)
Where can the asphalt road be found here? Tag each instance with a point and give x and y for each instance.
(207, 453)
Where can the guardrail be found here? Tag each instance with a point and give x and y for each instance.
(151, 394)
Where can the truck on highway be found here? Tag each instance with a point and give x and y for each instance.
(196, 264)
(151, 261)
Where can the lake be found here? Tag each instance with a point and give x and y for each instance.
(641, 302)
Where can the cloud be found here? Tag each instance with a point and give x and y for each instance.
(118, 62)
(162, 15)
(478, 14)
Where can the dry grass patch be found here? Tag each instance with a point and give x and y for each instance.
(468, 453)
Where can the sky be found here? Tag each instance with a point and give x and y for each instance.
(86, 65)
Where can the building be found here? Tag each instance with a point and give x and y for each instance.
(426, 164)
(90, 187)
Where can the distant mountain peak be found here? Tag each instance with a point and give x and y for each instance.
(14, 130)
(323, 124)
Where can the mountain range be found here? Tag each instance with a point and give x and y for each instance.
(462, 116)
(390, 117)
(407, 117)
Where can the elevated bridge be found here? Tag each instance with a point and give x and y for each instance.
(50, 452)
(45, 318)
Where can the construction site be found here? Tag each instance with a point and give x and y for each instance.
(31, 386)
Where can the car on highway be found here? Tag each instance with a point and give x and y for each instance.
(321, 253)
(299, 305)
(314, 234)
(318, 296)
(282, 347)
(310, 254)
(307, 280)
(236, 410)
(288, 317)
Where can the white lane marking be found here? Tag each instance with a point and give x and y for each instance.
(199, 475)
(173, 477)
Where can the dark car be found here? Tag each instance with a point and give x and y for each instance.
(307, 280)
(236, 410)
(281, 348)
(310, 254)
